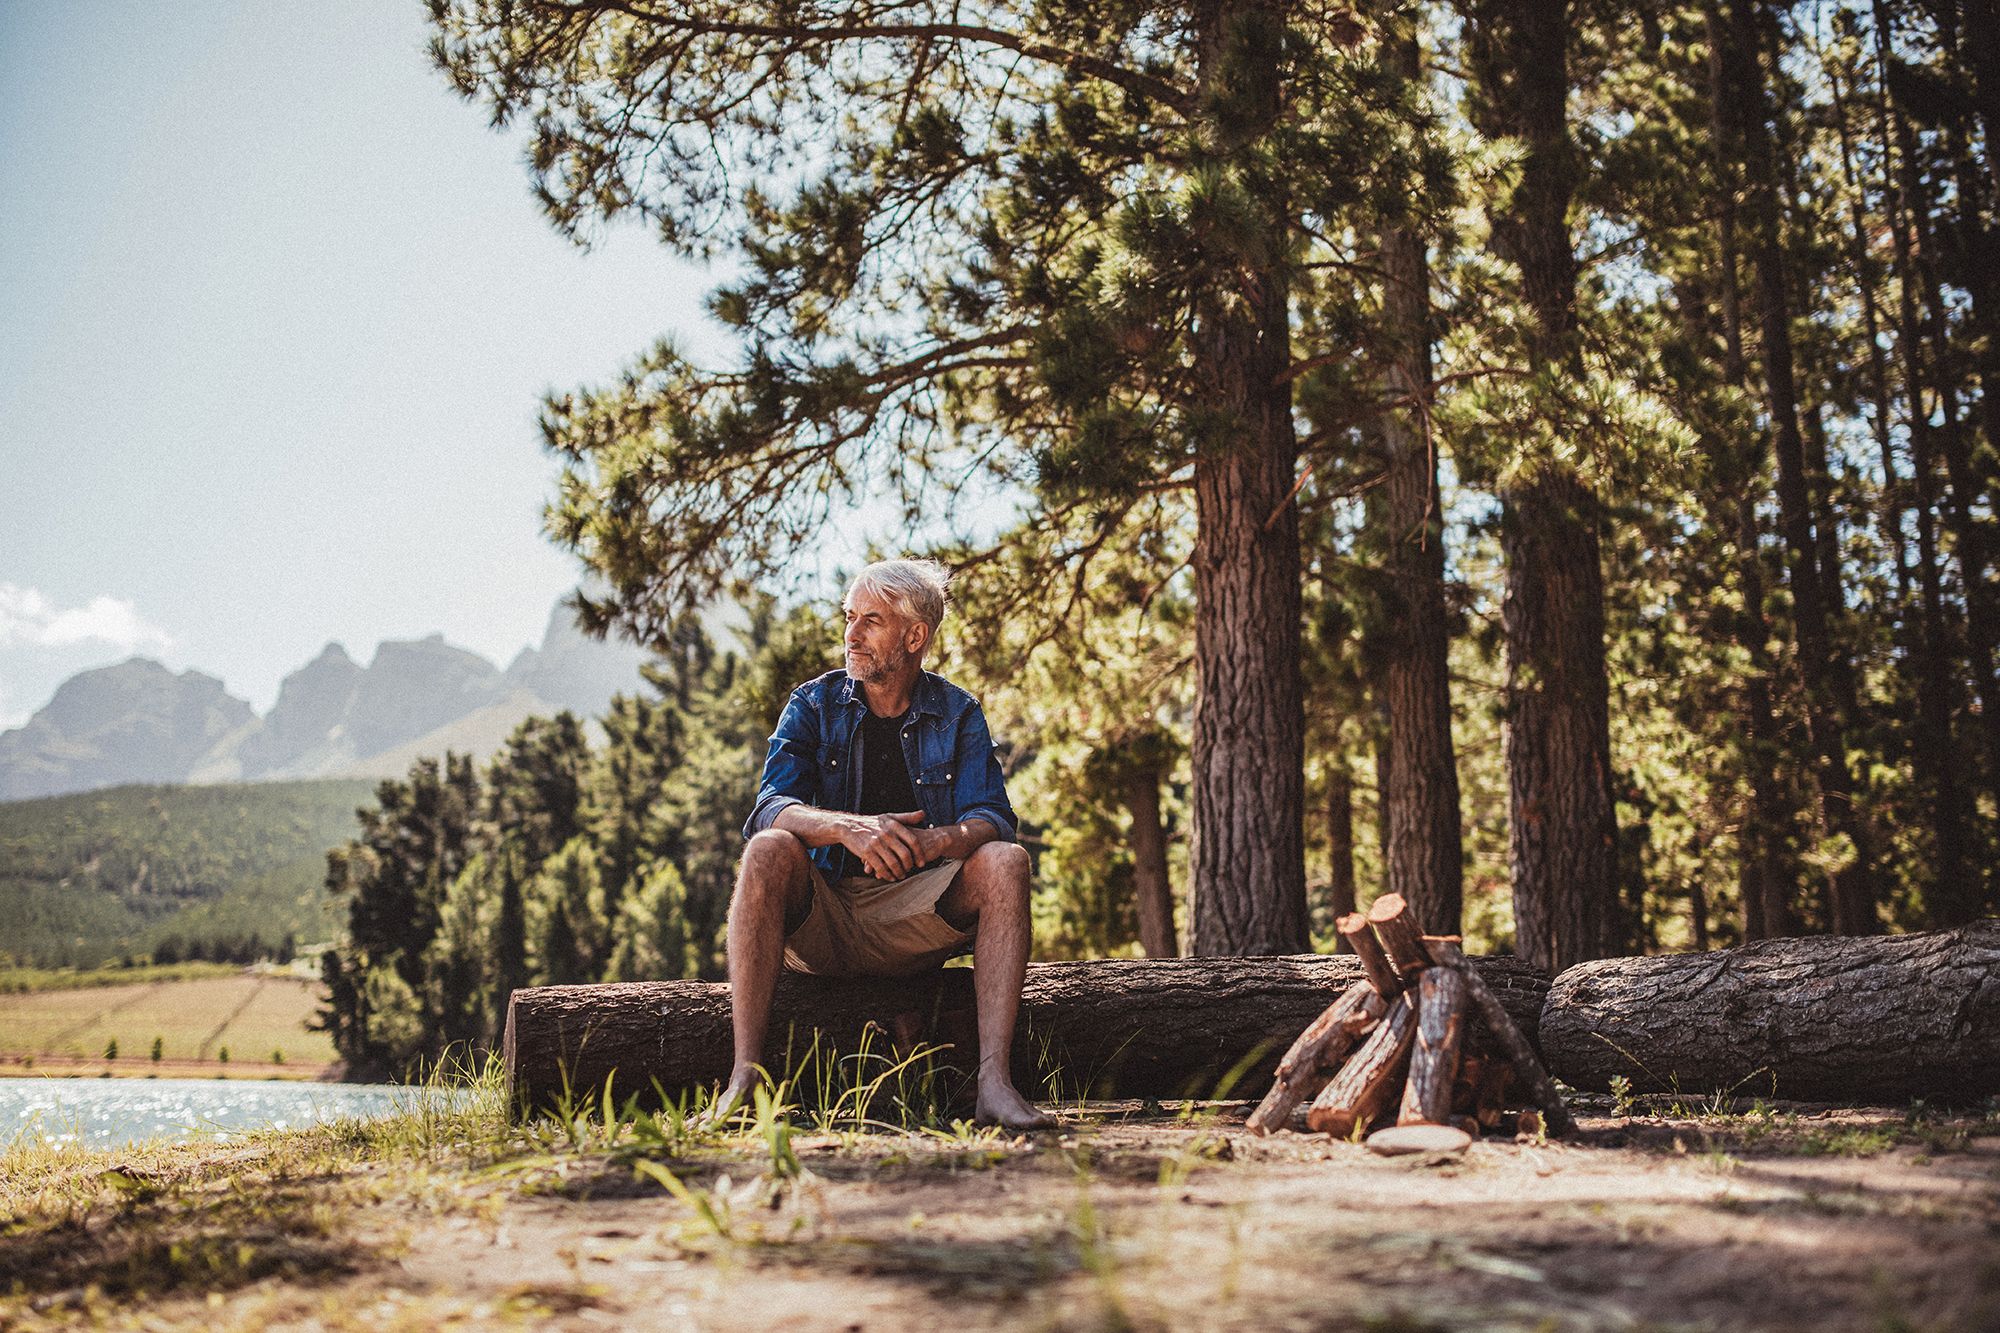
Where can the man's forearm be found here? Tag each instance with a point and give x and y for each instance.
(955, 842)
(826, 828)
(813, 826)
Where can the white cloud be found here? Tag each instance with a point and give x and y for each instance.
(28, 619)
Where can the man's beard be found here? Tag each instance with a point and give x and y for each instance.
(879, 666)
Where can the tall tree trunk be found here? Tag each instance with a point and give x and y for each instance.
(1865, 276)
(1561, 830)
(1982, 19)
(1854, 897)
(1150, 886)
(1769, 873)
(1249, 894)
(1935, 752)
(1423, 859)
(1340, 846)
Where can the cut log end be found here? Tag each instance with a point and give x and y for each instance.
(1402, 938)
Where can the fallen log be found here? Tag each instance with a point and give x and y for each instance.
(1881, 1018)
(1138, 1027)
(1309, 1065)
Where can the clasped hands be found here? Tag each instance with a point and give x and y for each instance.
(892, 846)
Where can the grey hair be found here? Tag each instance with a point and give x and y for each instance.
(916, 588)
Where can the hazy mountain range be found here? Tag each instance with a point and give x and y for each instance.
(138, 721)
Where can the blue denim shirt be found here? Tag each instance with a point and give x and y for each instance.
(815, 759)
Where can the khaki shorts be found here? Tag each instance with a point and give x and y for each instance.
(865, 927)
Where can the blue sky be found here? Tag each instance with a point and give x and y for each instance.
(275, 312)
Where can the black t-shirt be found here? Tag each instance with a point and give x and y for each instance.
(885, 778)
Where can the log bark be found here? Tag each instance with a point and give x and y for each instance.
(1367, 1084)
(1852, 1020)
(1441, 1004)
(1166, 1027)
(1374, 963)
(1309, 1065)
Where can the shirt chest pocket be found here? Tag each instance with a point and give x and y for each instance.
(833, 774)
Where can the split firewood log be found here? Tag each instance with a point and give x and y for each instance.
(1402, 938)
(1367, 1085)
(1308, 1066)
(1528, 1069)
(1374, 963)
(1441, 1007)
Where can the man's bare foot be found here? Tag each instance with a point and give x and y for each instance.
(1001, 1105)
(735, 1095)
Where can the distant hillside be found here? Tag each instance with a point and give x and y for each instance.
(94, 876)
(134, 722)
(139, 722)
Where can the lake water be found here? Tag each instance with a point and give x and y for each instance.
(113, 1112)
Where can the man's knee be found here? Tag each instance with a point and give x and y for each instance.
(774, 849)
(1000, 871)
(774, 861)
(1005, 862)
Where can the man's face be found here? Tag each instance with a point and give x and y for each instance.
(880, 641)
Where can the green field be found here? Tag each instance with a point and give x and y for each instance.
(98, 876)
(250, 1015)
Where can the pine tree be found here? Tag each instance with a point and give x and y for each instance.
(1058, 245)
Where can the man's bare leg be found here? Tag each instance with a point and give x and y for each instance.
(773, 894)
(992, 893)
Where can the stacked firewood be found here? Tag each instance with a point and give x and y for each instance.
(1389, 1054)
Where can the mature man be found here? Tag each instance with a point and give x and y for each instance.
(882, 841)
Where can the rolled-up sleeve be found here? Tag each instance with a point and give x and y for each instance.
(979, 789)
(788, 766)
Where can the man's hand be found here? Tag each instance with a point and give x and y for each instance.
(890, 846)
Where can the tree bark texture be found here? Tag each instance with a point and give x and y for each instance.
(1249, 894)
(1851, 1020)
(1423, 859)
(1149, 864)
(1120, 1027)
(1441, 1007)
(1562, 834)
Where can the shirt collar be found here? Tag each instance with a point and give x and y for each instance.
(927, 696)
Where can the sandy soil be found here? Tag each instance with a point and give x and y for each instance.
(1820, 1220)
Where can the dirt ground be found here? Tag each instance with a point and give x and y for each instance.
(1787, 1218)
